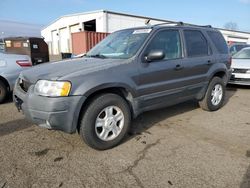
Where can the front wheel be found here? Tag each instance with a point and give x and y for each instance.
(105, 121)
(214, 96)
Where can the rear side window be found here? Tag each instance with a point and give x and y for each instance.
(196, 43)
(218, 41)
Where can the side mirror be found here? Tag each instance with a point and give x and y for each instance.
(155, 55)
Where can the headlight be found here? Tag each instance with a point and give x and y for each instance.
(52, 88)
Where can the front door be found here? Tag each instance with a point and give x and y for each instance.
(162, 82)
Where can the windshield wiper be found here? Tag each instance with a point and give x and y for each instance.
(97, 56)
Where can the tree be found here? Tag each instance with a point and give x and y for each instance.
(231, 26)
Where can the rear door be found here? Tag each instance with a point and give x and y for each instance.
(198, 60)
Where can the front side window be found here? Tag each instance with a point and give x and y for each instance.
(196, 43)
(167, 41)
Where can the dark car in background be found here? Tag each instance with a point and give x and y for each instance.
(34, 47)
(131, 71)
(236, 47)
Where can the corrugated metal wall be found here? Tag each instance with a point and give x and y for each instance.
(82, 42)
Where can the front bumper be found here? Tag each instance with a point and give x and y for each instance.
(240, 79)
(59, 113)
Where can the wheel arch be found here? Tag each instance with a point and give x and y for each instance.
(122, 91)
(221, 74)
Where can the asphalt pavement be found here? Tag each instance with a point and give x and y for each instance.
(179, 146)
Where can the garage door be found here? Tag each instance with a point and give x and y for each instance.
(54, 42)
(64, 40)
(74, 28)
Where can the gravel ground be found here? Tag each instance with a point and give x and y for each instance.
(179, 146)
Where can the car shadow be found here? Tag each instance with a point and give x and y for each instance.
(246, 179)
(148, 119)
(13, 126)
(230, 91)
(238, 86)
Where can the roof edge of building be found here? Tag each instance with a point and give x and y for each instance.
(74, 14)
(233, 30)
(106, 11)
(131, 15)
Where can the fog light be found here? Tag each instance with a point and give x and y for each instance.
(48, 124)
(45, 125)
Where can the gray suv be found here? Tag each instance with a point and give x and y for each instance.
(130, 72)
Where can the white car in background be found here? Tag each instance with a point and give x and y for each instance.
(10, 67)
(241, 67)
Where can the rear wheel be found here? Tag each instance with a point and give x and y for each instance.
(214, 96)
(105, 121)
(3, 91)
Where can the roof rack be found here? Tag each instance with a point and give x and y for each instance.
(168, 23)
(183, 24)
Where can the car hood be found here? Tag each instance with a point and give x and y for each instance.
(241, 63)
(68, 68)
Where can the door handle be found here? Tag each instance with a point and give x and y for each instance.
(178, 67)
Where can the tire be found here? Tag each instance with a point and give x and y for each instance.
(100, 126)
(210, 103)
(3, 92)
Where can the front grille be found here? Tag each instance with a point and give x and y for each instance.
(24, 84)
(240, 70)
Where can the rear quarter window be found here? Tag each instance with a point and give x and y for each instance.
(218, 41)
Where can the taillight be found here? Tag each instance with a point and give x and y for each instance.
(24, 63)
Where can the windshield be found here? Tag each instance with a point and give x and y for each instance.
(121, 45)
(243, 54)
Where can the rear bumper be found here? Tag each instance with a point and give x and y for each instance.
(60, 113)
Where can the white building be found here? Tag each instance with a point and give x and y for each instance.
(58, 33)
(236, 36)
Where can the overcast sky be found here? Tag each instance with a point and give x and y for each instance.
(213, 12)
